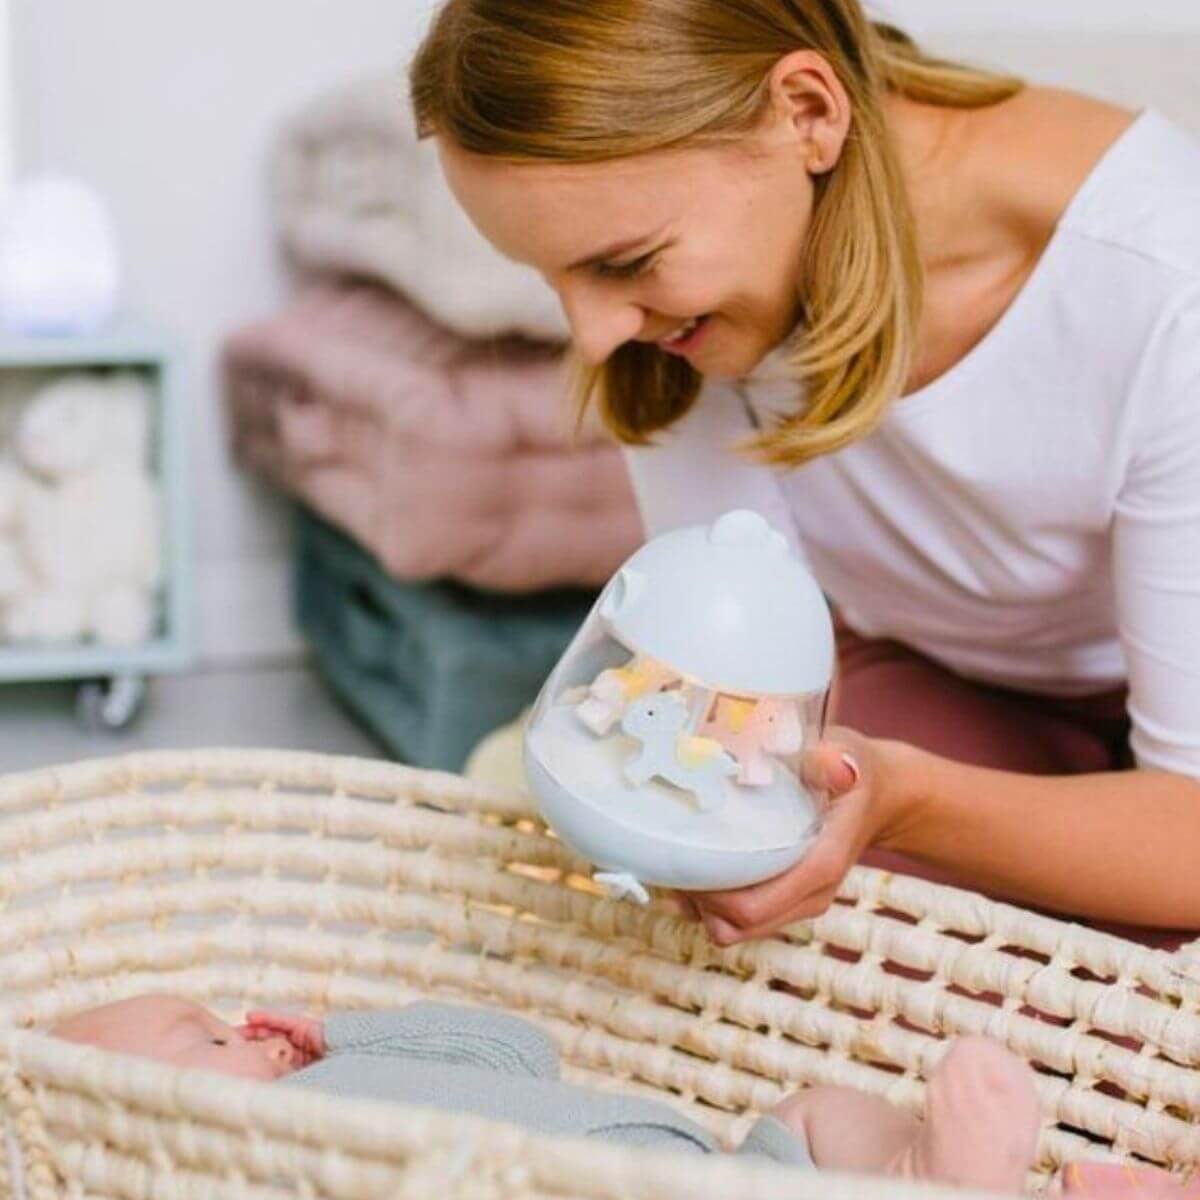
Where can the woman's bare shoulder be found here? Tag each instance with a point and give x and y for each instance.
(1070, 111)
(1045, 142)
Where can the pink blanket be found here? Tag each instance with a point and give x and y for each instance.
(444, 458)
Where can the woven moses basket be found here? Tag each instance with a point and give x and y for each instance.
(268, 878)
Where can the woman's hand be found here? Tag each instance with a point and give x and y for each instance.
(851, 770)
(306, 1034)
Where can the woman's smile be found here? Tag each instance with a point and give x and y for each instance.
(688, 337)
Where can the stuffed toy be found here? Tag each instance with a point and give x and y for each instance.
(80, 514)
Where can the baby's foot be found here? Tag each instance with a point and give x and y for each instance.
(982, 1121)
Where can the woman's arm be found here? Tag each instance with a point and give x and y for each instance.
(1121, 847)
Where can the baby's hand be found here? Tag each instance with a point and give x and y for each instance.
(306, 1034)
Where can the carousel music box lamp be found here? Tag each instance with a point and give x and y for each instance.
(666, 745)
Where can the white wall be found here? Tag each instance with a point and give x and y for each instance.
(6, 95)
(930, 16)
(169, 108)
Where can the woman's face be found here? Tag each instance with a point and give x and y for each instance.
(696, 250)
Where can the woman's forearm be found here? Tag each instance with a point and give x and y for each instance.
(1123, 846)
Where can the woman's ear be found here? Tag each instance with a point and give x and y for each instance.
(811, 108)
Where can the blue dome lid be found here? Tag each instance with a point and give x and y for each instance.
(729, 606)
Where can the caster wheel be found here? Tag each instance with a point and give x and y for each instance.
(110, 704)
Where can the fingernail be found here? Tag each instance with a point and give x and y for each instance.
(852, 766)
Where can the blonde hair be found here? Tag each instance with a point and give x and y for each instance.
(591, 80)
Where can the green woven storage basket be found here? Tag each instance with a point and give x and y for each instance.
(430, 668)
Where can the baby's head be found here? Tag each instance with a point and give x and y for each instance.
(179, 1032)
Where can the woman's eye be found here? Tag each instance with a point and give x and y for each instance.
(220, 1041)
(629, 270)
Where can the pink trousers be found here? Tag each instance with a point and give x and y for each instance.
(887, 690)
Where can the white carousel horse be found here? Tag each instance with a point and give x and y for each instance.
(693, 764)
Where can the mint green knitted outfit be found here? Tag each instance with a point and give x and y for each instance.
(493, 1065)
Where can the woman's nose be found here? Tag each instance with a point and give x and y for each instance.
(600, 324)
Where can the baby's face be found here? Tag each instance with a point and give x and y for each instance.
(176, 1031)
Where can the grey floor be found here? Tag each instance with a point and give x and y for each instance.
(282, 708)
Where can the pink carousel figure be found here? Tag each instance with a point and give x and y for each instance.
(612, 690)
(755, 732)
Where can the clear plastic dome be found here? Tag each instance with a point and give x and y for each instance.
(666, 746)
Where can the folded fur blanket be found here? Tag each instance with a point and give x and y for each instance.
(443, 457)
(355, 193)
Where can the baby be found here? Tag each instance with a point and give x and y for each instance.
(980, 1128)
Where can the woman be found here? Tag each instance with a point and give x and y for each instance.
(942, 328)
